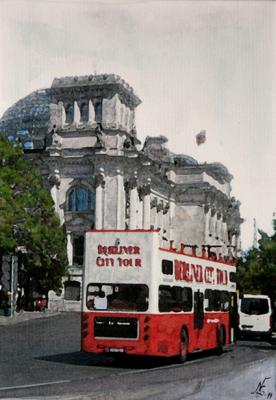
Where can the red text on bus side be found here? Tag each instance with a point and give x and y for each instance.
(183, 272)
(196, 273)
(110, 250)
(222, 278)
(119, 262)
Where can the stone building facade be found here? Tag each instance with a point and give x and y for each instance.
(80, 135)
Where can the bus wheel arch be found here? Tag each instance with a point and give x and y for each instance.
(183, 345)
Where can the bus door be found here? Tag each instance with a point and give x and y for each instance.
(198, 314)
(233, 317)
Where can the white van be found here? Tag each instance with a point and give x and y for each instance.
(255, 316)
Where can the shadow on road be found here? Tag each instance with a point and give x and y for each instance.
(120, 361)
(256, 344)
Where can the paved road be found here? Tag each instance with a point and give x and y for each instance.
(41, 359)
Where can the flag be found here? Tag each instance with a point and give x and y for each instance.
(201, 137)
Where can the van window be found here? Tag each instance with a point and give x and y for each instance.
(253, 306)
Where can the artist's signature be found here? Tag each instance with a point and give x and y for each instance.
(261, 389)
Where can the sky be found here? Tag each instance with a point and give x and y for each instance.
(194, 64)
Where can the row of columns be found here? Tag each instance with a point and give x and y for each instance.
(216, 232)
(150, 210)
(215, 226)
(112, 112)
(77, 113)
(153, 211)
(135, 194)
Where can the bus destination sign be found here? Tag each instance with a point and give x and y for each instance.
(118, 256)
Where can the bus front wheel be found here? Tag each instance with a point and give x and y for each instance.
(183, 352)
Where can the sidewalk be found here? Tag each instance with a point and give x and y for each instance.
(24, 316)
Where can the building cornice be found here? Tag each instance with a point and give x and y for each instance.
(104, 86)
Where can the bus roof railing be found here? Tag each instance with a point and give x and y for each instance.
(206, 252)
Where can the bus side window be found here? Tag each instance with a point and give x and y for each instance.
(170, 298)
(92, 291)
(187, 299)
(225, 301)
(175, 299)
(208, 295)
(217, 300)
(167, 267)
(165, 298)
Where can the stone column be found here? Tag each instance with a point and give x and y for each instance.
(99, 183)
(212, 224)
(76, 113)
(207, 211)
(145, 191)
(91, 113)
(133, 195)
(238, 244)
(153, 206)
(224, 230)
(70, 248)
(171, 216)
(54, 181)
(224, 234)
(126, 119)
(62, 113)
(160, 215)
(234, 240)
(120, 200)
(218, 228)
(130, 120)
(166, 222)
(122, 115)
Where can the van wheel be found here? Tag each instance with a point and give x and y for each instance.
(183, 351)
(221, 341)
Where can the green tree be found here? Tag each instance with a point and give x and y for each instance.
(28, 221)
(256, 273)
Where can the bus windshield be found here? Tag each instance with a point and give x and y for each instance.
(254, 306)
(117, 297)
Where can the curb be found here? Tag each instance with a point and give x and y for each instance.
(25, 317)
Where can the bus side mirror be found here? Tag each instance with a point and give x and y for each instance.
(206, 304)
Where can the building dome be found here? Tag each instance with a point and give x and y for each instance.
(183, 160)
(28, 119)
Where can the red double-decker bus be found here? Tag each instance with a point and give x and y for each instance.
(140, 298)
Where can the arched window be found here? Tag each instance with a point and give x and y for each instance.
(81, 199)
(72, 290)
(84, 112)
(69, 112)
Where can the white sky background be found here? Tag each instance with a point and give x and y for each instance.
(195, 65)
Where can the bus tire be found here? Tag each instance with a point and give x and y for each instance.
(183, 346)
(220, 341)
